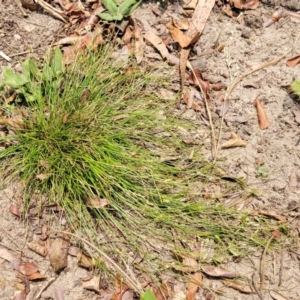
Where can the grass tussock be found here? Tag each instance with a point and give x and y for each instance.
(93, 139)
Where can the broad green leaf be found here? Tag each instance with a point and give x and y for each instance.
(57, 62)
(47, 73)
(148, 295)
(133, 8)
(29, 97)
(125, 7)
(30, 69)
(107, 17)
(118, 17)
(296, 87)
(14, 80)
(110, 6)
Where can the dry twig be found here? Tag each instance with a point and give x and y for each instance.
(45, 287)
(214, 152)
(19, 4)
(262, 264)
(51, 10)
(255, 287)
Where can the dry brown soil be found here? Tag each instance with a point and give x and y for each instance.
(267, 162)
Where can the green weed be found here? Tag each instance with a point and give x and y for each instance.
(296, 87)
(117, 9)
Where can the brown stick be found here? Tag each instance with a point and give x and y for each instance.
(51, 10)
(255, 288)
(262, 264)
(18, 2)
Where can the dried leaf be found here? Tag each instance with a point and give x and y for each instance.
(200, 16)
(196, 78)
(292, 62)
(89, 23)
(28, 268)
(85, 261)
(261, 115)
(182, 38)
(190, 5)
(181, 24)
(277, 296)
(38, 247)
(91, 40)
(36, 276)
(92, 283)
(157, 42)
(276, 234)
(293, 180)
(188, 265)
(58, 254)
(139, 43)
(239, 286)
(13, 209)
(96, 202)
(190, 103)
(272, 214)
(68, 40)
(43, 176)
(235, 141)
(11, 98)
(193, 286)
(7, 255)
(245, 4)
(217, 271)
(14, 122)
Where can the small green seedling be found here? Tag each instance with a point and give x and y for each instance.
(32, 84)
(296, 87)
(116, 10)
(262, 171)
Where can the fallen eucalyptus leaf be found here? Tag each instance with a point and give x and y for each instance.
(235, 141)
(261, 115)
(246, 289)
(217, 271)
(277, 296)
(92, 283)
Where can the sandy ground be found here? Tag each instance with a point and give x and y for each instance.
(267, 162)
